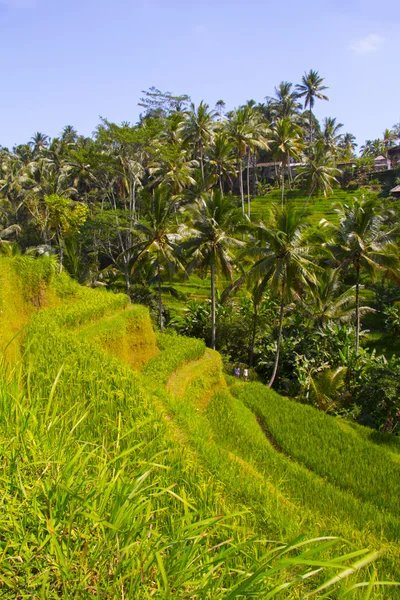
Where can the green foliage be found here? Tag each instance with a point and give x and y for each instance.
(64, 217)
(350, 463)
(96, 477)
(174, 350)
(392, 314)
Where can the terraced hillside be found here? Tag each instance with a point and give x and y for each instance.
(319, 207)
(132, 469)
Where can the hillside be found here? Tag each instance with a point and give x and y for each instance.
(131, 468)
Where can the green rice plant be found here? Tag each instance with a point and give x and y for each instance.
(113, 487)
(174, 351)
(282, 497)
(318, 441)
(128, 335)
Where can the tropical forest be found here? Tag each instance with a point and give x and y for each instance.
(200, 355)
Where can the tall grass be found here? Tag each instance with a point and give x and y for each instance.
(128, 335)
(101, 498)
(349, 462)
(175, 350)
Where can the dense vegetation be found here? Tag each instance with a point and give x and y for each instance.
(257, 230)
(147, 478)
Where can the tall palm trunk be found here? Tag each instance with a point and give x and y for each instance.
(160, 306)
(290, 174)
(213, 311)
(241, 183)
(357, 308)
(253, 337)
(310, 125)
(248, 182)
(278, 346)
(127, 277)
(220, 181)
(283, 184)
(61, 255)
(255, 181)
(202, 162)
(61, 250)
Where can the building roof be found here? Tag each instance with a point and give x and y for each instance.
(380, 157)
(395, 189)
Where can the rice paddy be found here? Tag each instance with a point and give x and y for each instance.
(145, 476)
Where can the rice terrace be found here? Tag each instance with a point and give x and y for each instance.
(199, 314)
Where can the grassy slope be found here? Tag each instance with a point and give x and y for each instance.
(105, 470)
(319, 207)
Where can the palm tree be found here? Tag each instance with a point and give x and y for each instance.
(158, 238)
(311, 88)
(330, 134)
(285, 103)
(246, 131)
(286, 143)
(39, 142)
(221, 158)
(372, 148)
(348, 146)
(329, 302)
(363, 244)
(69, 135)
(173, 167)
(318, 173)
(388, 141)
(210, 242)
(199, 130)
(284, 262)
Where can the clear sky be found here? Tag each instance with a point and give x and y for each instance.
(69, 61)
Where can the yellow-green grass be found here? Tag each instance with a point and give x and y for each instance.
(175, 351)
(282, 495)
(317, 441)
(114, 487)
(319, 207)
(128, 335)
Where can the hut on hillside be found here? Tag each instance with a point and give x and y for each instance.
(395, 192)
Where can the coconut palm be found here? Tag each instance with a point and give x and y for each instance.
(246, 131)
(221, 158)
(39, 141)
(286, 143)
(158, 238)
(372, 148)
(69, 135)
(209, 243)
(388, 141)
(363, 244)
(284, 262)
(199, 130)
(328, 301)
(318, 173)
(285, 103)
(348, 146)
(311, 88)
(173, 166)
(331, 135)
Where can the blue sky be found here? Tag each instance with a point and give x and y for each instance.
(68, 61)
